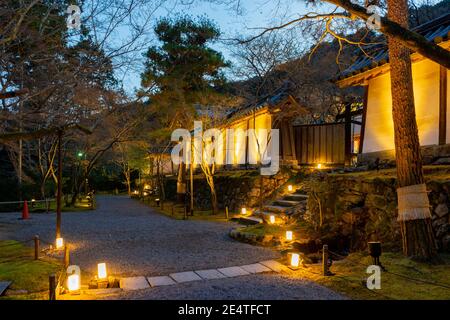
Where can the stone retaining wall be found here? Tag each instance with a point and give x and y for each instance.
(362, 209)
(433, 154)
(234, 189)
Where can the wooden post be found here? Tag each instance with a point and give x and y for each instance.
(66, 256)
(52, 287)
(326, 272)
(226, 212)
(36, 247)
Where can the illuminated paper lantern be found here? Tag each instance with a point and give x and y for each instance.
(59, 243)
(101, 271)
(295, 260)
(289, 235)
(244, 210)
(319, 166)
(272, 219)
(73, 282)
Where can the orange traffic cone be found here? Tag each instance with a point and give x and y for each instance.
(25, 213)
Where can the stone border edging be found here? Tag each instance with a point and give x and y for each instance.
(141, 282)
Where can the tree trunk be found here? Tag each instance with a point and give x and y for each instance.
(128, 179)
(212, 188)
(417, 233)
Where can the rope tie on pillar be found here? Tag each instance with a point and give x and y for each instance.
(413, 203)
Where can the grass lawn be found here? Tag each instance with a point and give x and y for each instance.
(350, 273)
(350, 278)
(431, 172)
(300, 230)
(17, 265)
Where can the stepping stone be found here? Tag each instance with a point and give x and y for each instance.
(251, 219)
(296, 197)
(255, 268)
(276, 209)
(160, 281)
(233, 271)
(134, 283)
(187, 276)
(210, 274)
(4, 285)
(274, 265)
(286, 203)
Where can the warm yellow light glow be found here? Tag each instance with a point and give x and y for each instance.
(33, 200)
(289, 235)
(73, 282)
(59, 243)
(135, 192)
(244, 210)
(101, 267)
(145, 193)
(290, 187)
(146, 187)
(319, 166)
(272, 219)
(295, 260)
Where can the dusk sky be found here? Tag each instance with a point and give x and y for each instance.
(253, 14)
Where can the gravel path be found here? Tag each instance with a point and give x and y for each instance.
(134, 240)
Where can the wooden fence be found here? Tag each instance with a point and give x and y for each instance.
(322, 143)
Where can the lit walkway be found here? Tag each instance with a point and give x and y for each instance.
(135, 241)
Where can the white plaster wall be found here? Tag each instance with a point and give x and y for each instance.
(379, 133)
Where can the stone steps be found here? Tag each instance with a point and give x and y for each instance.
(296, 197)
(248, 220)
(264, 216)
(277, 209)
(286, 203)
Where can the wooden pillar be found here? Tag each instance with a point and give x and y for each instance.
(247, 141)
(363, 120)
(348, 134)
(443, 105)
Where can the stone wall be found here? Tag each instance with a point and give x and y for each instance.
(434, 154)
(362, 209)
(235, 189)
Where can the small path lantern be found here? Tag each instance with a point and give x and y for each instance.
(59, 243)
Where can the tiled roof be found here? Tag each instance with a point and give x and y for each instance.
(269, 101)
(435, 30)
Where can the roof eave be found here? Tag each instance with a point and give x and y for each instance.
(362, 78)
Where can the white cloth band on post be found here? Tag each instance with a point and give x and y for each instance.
(413, 203)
